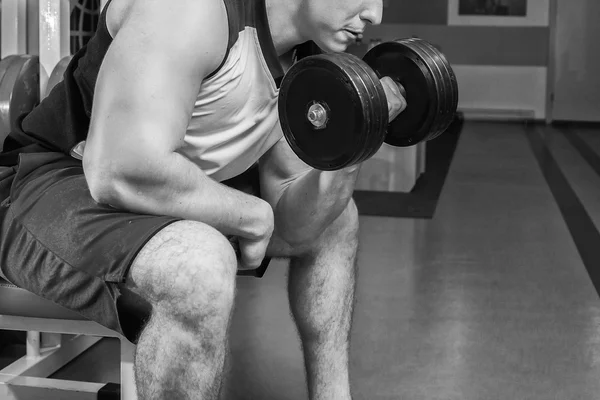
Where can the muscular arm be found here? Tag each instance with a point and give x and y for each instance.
(144, 97)
(305, 201)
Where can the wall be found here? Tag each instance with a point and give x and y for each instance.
(501, 62)
(576, 79)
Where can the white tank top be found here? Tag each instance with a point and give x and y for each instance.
(235, 119)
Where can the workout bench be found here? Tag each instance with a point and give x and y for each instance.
(27, 378)
(47, 325)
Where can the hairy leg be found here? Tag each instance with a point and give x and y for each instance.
(187, 274)
(321, 288)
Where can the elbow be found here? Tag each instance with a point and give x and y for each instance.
(103, 192)
(103, 183)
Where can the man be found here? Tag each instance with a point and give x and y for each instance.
(170, 106)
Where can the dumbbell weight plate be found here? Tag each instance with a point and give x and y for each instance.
(407, 67)
(4, 64)
(358, 80)
(431, 90)
(377, 114)
(327, 85)
(438, 78)
(57, 73)
(6, 84)
(376, 136)
(447, 83)
(19, 89)
(26, 92)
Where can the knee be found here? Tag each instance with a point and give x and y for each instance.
(344, 230)
(346, 226)
(202, 276)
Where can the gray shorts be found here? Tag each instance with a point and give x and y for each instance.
(58, 243)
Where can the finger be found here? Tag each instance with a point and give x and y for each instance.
(396, 101)
(389, 94)
(244, 267)
(399, 92)
(403, 103)
(245, 260)
(395, 107)
(402, 97)
(396, 89)
(234, 243)
(390, 86)
(252, 255)
(248, 262)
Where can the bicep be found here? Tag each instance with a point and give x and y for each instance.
(278, 168)
(152, 73)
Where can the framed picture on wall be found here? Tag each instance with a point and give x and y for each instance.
(493, 7)
(499, 12)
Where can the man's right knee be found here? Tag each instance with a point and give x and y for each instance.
(187, 271)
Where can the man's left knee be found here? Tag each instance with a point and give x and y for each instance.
(345, 228)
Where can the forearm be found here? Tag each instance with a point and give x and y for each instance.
(169, 184)
(312, 202)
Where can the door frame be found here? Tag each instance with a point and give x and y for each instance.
(551, 71)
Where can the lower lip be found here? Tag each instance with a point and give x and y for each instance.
(352, 35)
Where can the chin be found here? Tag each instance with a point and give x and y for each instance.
(333, 46)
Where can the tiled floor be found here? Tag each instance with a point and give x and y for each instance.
(488, 300)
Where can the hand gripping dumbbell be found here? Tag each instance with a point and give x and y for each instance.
(333, 109)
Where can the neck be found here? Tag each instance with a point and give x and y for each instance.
(283, 16)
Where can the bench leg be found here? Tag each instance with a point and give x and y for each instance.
(128, 390)
(33, 344)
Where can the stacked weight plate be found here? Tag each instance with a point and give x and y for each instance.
(19, 89)
(57, 73)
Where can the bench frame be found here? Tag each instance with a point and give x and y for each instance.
(27, 377)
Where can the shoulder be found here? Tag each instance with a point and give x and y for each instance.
(219, 14)
(116, 12)
(197, 29)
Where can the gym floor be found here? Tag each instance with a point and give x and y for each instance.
(495, 297)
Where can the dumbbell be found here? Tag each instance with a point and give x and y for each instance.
(333, 109)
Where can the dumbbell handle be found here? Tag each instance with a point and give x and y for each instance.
(397, 81)
(318, 114)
